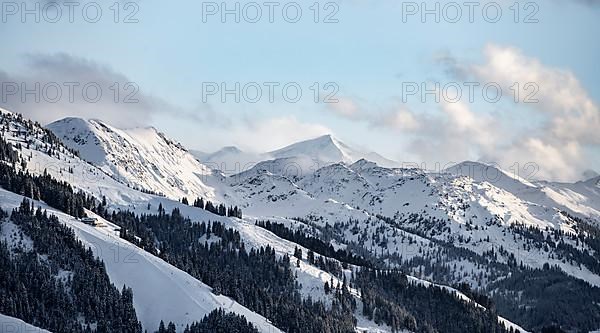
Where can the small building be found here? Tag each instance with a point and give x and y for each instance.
(90, 220)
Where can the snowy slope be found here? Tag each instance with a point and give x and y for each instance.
(581, 198)
(165, 292)
(481, 172)
(15, 325)
(326, 150)
(469, 213)
(160, 290)
(263, 194)
(310, 277)
(141, 158)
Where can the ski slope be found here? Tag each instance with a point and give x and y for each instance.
(161, 291)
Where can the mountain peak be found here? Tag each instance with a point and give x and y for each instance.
(324, 149)
(491, 173)
(363, 164)
(590, 174)
(327, 149)
(325, 137)
(68, 120)
(141, 157)
(320, 141)
(594, 181)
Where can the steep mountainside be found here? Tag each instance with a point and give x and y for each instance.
(142, 158)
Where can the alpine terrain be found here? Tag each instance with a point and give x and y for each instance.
(105, 229)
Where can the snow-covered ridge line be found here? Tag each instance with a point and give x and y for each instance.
(140, 157)
(307, 155)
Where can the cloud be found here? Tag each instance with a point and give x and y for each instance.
(345, 108)
(60, 85)
(449, 63)
(400, 119)
(249, 132)
(571, 117)
(205, 113)
(454, 133)
(557, 145)
(260, 134)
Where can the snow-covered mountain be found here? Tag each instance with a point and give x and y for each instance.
(323, 170)
(322, 177)
(304, 157)
(326, 150)
(580, 198)
(469, 211)
(163, 292)
(142, 158)
(470, 223)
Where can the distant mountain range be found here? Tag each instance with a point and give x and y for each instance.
(472, 224)
(308, 155)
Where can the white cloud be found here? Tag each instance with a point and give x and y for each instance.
(261, 135)
(558, 142)
(345, 108)
(573, 115)
(572, 118)
(552, 149)
(401, 119)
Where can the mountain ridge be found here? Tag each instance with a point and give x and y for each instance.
(310, 154)
(143, 158)
(444, 227)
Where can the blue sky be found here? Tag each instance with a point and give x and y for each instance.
(368, 54)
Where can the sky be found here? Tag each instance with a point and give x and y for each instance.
(431, 83)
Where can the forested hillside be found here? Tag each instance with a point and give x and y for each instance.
(49, 279)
